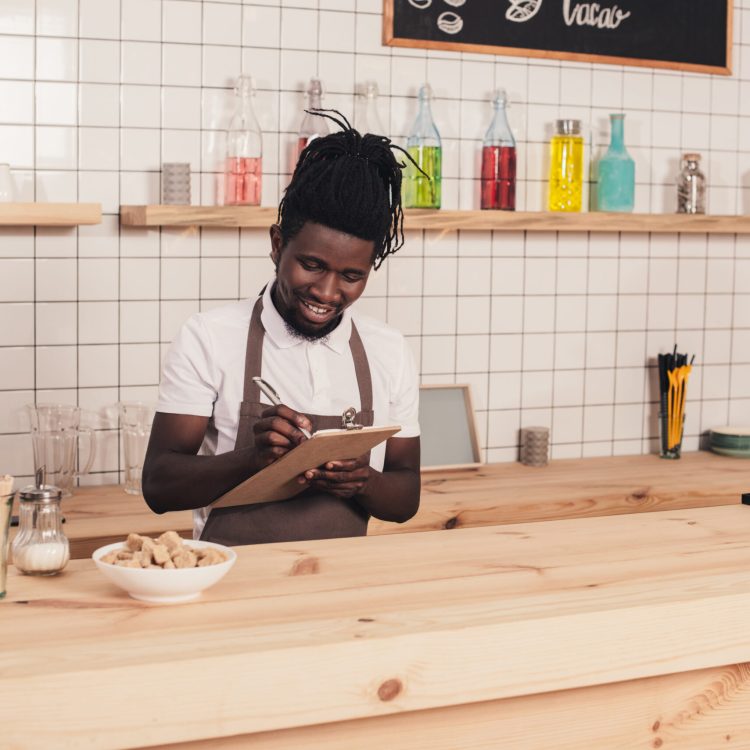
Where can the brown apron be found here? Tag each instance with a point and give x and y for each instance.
(311, 514)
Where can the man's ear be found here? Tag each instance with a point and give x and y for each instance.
(276, 244)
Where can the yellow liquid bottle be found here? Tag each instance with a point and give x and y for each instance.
(566, 167)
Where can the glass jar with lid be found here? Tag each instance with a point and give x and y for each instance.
(566, 167)
(40, 547)
(691, 186)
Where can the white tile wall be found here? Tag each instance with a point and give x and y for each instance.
(554, 329)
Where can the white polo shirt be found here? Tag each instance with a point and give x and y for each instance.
(205, 365)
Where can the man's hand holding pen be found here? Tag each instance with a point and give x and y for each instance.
(282, 428)
(278, 431)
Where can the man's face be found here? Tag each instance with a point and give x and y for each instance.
(319, 273)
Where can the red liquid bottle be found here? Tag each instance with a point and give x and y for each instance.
(312, 125)
(499, 161)
(243, 165)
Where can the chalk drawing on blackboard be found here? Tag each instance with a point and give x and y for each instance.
(645, 33)
(449, 22)
(421, 4)
(522, 10)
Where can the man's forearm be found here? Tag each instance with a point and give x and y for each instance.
(176, 481)
(391, 495)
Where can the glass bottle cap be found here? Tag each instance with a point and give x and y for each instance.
(315, 86)
(499, 96)
(568, 127)
(691, 157)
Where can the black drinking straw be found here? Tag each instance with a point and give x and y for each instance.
(663, 388)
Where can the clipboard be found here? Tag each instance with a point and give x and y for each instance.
(278, 481)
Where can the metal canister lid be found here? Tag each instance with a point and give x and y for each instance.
(40, 492)
(568, 127)
(47, 493)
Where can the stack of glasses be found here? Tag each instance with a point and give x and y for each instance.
(534, 446)
(175, 184)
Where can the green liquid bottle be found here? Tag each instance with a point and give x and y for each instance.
(422, 189)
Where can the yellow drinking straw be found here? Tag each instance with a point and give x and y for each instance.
(682, 377)
(671, 404)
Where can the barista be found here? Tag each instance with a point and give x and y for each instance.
(339, 219)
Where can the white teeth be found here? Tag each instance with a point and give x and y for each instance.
(316, 310)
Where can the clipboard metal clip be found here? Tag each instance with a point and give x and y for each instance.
(347, 420)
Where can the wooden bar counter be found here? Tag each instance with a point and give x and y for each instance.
(621, 631)
(495, 493)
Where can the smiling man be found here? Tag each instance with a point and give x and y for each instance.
(339, 219)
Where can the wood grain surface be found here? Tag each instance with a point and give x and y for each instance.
(448, 220)
(50, 214)
(700, 710)
(349, 629)
(493, 494)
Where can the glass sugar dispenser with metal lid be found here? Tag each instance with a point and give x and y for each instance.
(40, 547)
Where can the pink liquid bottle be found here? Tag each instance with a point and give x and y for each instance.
(499, 160)
(244, 162)
(312, 126)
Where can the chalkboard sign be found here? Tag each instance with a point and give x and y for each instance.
(681, 34)
(448, 430)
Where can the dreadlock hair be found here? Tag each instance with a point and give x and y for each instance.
(349, 182)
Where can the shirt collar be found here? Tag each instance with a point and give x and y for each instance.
(337, 340)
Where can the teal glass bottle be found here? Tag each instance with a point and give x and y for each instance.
(616, 186)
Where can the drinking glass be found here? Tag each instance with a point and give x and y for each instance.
(55, 437)
(6, 506)
(135, 423)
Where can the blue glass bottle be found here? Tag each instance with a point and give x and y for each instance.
(616, 188)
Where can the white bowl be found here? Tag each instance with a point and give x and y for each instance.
(165, 586)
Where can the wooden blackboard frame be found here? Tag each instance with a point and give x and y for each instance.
(461, 392)
(390, 39)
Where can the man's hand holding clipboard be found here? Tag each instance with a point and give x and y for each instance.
(292, 459)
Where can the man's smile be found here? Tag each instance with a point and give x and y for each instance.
(318, 311)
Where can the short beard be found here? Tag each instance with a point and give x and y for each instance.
(322, 336)
(294, 332)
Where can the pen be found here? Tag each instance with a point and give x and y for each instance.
(275, 399)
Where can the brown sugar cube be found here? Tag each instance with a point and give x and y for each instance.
(177, 551)
(124, 554)
(210, 557)
(185, 559)
(168, 565)
(160, 554)
(143, 557)
(147, 543)
(110, 557)
(134, 542)
(170, 539)
(128, 563)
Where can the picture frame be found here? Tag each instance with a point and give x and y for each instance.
(448, 427)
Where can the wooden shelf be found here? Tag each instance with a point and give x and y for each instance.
(49, 214)
(203, 216)
(442, 220)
